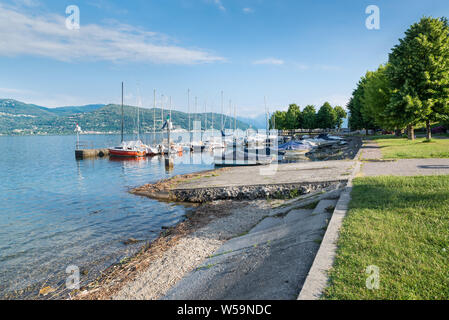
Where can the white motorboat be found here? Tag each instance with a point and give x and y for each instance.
(241, 158)
(215, 143)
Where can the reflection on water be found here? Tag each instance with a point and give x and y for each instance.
(58, 211)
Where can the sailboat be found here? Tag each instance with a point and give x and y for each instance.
(129, 148)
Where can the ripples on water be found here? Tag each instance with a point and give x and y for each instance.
(57, 211)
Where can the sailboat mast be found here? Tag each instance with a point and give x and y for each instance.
(139, 102)
(162, 108)
(188, 106)
(170, 109)
(154, 113)
(213, 117)
(235, 117)
(122, 112)
(138, 120)
(222, 110)
(196, 106)
(266, 114)
(205, 115)
(230, 114)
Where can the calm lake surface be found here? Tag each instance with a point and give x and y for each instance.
(57, 211)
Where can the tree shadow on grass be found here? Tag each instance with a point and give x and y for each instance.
(434, 167)
(371, 195)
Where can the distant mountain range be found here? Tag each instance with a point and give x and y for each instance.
(18, 118)
(258, 122)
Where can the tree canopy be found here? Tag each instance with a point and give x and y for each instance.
(308, 117)
(341, 114)
(326, 118)
(413, 87)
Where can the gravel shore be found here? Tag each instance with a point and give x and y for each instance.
(190, 251)
(179, 250)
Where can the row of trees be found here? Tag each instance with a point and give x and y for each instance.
(327, 117)
(412, 89)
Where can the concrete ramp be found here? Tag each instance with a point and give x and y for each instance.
(270, 262)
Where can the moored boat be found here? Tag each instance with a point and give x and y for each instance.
(129, 149)
(242, 158)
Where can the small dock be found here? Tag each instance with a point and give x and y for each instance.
(249, 183)
(90, 153)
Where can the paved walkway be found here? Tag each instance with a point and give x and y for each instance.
(406, 167)
(275, 174)
(370, 151)
(401, 167)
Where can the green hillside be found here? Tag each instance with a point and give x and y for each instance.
(19, 109)
(17, 118)
(64, 111)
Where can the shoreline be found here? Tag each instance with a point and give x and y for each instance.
(181, 248)
(117, 276)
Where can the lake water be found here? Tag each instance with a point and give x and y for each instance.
(56, 211)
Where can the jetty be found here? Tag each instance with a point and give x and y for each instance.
(250, 183)
(91, 153)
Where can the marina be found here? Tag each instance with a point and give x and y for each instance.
(223, 150)
(94, 188)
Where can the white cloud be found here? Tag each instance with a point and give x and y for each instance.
(272, 61)
(47, 36)
(324, 67)
(27, 3)
(13, 91)
(219, 5)
(301, 66)
(43, 99)
(248, 10)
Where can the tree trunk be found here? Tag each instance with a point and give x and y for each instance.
(411, 132)
(398, 132)
(428, 131)
(366, 130)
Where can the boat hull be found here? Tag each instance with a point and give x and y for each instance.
(126, 153)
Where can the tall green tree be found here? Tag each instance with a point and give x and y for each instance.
(326, 117)
(359, 117)
(377, 95)
(419, 74)
(279, 120)
(341, 114)
(308, 116)
(293, 117)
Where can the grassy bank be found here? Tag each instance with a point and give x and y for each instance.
(401, 225)
(401, 148)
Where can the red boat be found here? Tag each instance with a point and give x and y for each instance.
(129, 149)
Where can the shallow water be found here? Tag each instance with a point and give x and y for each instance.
(57, 211)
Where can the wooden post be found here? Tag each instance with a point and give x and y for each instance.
(168, 160)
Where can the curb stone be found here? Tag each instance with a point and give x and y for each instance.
(317, 278)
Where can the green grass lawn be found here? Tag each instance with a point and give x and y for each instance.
(401, 225)
(401, 148)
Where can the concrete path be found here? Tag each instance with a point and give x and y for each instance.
(375, 166)
(270, 262)
(406, 167)
(275, 174)
(370, 151)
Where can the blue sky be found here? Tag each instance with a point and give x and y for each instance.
(303, 52)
